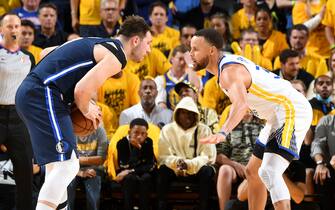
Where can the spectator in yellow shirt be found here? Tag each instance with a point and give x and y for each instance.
(89, 15)
(119, 93)
(214, 97)
(272, 41)
(329, 22)
(153, 64)
(27, 37)
(165, 38)
(243, 18)
(310, 14)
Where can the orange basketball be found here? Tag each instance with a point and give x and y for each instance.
(81, 125)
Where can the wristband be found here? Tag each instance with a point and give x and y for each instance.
(293, 2)
(223, 133)
(332, 46)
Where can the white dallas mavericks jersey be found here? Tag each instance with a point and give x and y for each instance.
(268, 95)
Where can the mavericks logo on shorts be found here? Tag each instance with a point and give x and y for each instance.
(62, 147)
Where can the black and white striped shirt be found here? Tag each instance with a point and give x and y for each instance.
(14, 67)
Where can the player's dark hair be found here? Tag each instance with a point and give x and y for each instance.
(286, 54)
(134, 25)
(211, 36)
(158, 4)
(140, 122)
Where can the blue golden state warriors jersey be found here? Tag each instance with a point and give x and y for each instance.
(68, 63)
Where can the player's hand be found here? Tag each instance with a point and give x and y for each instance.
(94, 114)
(213, 139)
(321, 174)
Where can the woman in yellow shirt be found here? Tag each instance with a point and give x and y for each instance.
(272, 41)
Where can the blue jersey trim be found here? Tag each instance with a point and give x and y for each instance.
(67, 70)
(259, 142)
(289, 151)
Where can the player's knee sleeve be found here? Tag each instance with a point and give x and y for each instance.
(57, 180)
(274, 182)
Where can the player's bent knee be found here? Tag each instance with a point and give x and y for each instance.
(267, 176)
(275, 184)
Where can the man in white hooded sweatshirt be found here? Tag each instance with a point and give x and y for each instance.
(181, 157)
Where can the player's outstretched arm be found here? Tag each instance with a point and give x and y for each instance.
(235, 79)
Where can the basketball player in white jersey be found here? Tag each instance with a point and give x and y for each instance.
(287, 113)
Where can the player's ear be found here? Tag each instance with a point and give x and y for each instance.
(212, 50)
(136, 40)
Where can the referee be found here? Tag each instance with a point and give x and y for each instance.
(15, 64)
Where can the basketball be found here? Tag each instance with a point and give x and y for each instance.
(81, 125)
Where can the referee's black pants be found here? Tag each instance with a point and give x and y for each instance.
(14, 135)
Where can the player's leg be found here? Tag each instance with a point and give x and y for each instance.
(257, 194)
(58, 176)
(283, 146)
(271, 173)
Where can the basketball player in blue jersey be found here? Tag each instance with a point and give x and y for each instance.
(72, 73)
(287, 113)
